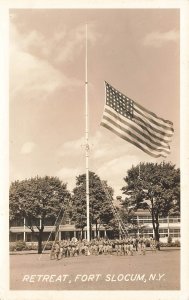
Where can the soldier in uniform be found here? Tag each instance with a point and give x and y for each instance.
(116, 246)
(121, 247)
(125, 247)
(110, 249)
(140, 246)
(81, 248)
(96, 249)
(52, 253)
(136, 244)
(67, 249)
(153, 244)
(72, 248)
(143, 246)
(86, 248)
(105, 246)
(100, 246)
(61, 248)
(131, 247)
(57, 251)
(77, 248)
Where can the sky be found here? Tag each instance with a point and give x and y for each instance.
(135, 50)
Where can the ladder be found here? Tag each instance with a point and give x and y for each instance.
(58, 221)
(122, 227)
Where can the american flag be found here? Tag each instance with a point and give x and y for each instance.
(136, 124)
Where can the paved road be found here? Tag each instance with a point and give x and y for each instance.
(154, 271)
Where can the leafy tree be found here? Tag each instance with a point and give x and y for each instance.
(100, 211)
(155, 187)
(37, 199)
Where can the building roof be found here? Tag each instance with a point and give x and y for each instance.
(142, 212)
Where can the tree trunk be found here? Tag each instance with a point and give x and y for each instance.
(81, 233)
(96, 229)
(40, 240)
(90, 231)
(157, 236)
(155, 223)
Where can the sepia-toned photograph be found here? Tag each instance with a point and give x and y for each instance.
(94, 149)
(95, 152)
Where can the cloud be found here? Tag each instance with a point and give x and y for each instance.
(106, 145)
(100, 147)
(106, 159)
(157, 39)
(60, 47)
(72, 148)
(114, 170)
(73, 43)
(103, 148)
(68, 175)
(32, 76)
(27, 147)
(110, 157)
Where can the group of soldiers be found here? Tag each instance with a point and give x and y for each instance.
(99, 246)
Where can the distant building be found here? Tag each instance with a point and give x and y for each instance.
(141, 226)
(169, 226)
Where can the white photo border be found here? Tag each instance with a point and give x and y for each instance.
(5, 6)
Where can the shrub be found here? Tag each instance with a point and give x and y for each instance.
(32, 245)
(12, 246)
(177, 243)
(169, 239)
(147, 242)
(20, 245)
(164, 244)
(173, 244)
(48, 245)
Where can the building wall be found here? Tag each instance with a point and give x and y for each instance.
(169, 226)
(20, 232)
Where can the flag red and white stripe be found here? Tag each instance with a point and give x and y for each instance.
(136, 124)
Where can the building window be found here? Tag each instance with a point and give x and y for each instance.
(28, 237)
(147, 233)
(174, 220)
(145, 221)
(145, 218)
(19, 237)
(174, 232)
(163, 232)
(162, 220)
(17, 222)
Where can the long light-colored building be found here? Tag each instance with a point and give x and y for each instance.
(169, 226)
(140, 226)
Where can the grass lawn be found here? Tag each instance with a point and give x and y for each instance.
(153, 271)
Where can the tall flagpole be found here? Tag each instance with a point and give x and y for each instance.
(87, 139)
